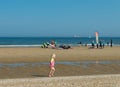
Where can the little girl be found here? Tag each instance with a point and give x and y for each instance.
(52, 64)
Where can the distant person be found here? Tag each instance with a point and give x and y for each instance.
(80, 43)
(100, 44)
(52, 44)
(103, 44)
(97, 45)
(93, 44)
(107, 43)
(85, 44)
(52, 65)
(111, 42)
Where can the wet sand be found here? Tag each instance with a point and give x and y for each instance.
(29, 71)
(65, 75)
(76, 54)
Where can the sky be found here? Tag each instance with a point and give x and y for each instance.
(61, 18)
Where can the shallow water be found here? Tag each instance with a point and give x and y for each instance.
(84, 64)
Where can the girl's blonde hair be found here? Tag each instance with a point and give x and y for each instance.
(53, 55)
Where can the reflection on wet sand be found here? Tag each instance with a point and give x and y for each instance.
(41, 69)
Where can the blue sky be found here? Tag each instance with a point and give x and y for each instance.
(59, 17)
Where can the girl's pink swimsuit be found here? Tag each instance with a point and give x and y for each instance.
(52, 63)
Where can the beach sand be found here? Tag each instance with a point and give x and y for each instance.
(38, 74)
(71, 81)
(76, 54)
(8, 55)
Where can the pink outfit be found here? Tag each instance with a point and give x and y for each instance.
(52, 63)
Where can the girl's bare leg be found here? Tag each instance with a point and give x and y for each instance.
(50, 73)
(53, 70)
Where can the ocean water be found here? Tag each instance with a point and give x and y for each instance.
(37, 41)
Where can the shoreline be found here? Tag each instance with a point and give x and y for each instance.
(39, 45)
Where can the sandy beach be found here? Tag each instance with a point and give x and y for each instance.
(35, 74)
(8, 55)
(59, 43)
(71, 81)
(33, 56)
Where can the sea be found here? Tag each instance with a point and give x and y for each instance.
(38, 41)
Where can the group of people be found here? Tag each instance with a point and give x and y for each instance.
(98, 45)
(53, 45)
(101, 44)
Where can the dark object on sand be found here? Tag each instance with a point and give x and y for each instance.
(65, 46)
(111, 42)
